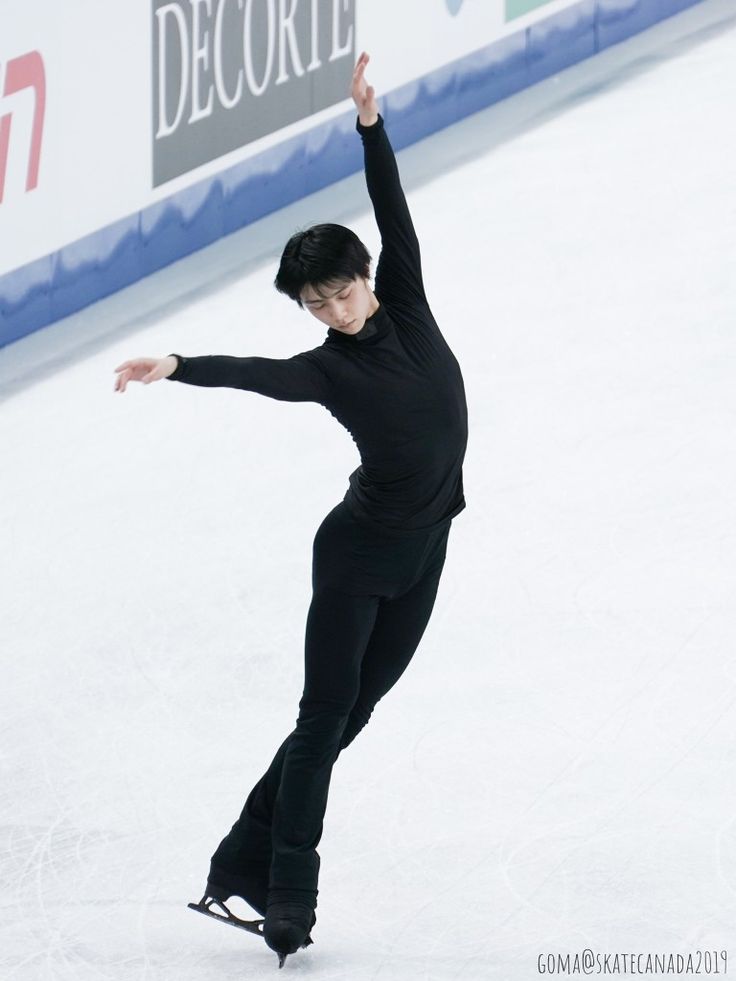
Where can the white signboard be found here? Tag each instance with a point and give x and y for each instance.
(108, 107)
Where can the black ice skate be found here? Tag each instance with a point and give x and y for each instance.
(287, 928)
(208, 901)
(251, 884)
(221, 885)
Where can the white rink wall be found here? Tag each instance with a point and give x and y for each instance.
(133, 134)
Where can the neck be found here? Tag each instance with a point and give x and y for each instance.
(374, 304)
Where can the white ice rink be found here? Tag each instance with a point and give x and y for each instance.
(557, 768)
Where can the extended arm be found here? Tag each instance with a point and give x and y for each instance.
(399, 270)
(296, 379)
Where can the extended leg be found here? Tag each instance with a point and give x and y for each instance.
(338, 629)
(249, 840)
(241, 863)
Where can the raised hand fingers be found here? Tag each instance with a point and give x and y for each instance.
(360, 67)
(362, 93)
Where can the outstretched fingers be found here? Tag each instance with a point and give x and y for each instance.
(361, 63)
(364, 95)
(360, 71)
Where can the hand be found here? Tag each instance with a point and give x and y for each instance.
(144, 370)
(364, 95)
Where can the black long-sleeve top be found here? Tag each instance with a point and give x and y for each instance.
(395, 385)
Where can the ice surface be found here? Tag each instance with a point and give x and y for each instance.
(556, 769)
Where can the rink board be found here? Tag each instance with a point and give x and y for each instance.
(160, 224)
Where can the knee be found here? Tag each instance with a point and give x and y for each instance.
(322, 720)
(357, 720)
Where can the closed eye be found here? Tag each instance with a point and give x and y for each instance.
(340, 296)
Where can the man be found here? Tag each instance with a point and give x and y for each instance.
(387, 374)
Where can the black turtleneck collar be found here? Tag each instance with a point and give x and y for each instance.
(375, 326)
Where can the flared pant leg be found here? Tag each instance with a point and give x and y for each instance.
(339, 627)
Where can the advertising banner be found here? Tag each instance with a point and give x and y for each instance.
(132, 133)
(107, 108)
(226, 73)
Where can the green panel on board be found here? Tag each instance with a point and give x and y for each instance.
(515, 8)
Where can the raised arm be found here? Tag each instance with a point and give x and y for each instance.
(300, 378)
(399, 269)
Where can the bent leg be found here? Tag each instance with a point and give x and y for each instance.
(398, 629)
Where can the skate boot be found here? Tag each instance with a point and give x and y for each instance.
(250, 884)
(287, 927)
(221, 885)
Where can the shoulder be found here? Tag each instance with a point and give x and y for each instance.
(320, 359)
(407, 305)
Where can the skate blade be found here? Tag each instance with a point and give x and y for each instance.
(282, 957)
(205, 906)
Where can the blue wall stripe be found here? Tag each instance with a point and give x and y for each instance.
(116, 256)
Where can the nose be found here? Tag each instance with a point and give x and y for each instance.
(342, 317)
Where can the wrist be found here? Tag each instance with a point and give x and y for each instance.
(367, 119)
(174, 361)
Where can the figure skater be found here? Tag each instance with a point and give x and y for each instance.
(386, 373)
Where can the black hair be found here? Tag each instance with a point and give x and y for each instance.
(323, 255)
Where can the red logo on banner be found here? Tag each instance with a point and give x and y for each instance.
(24, 72)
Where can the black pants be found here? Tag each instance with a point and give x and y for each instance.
(373, 593)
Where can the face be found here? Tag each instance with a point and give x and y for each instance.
(345, 305)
